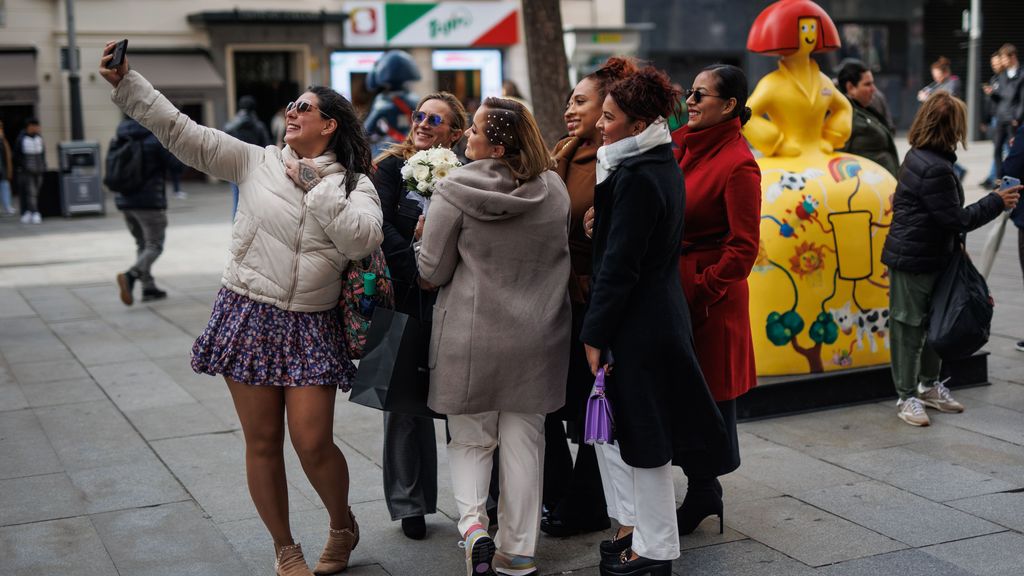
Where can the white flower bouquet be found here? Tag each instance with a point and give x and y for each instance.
(422, 171)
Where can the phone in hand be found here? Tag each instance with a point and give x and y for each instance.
(118, 52)
(1008, 182)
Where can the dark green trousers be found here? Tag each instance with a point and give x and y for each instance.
(913, 361)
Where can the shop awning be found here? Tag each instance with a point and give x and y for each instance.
(19, 81)
(177, 71)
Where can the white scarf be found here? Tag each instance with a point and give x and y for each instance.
(609, 157)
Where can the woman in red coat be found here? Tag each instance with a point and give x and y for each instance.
(723, 210)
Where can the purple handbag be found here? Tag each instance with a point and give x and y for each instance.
(599, 424)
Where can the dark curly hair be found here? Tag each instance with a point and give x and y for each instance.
(647, 94)
(614, 69)
(349, 140)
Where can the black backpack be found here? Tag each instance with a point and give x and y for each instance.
(125, 172)
(961, 313)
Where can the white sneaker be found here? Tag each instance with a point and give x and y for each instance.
(37, 218)
(938, 397)
(912, 412)
(181, 195)
(26, 218)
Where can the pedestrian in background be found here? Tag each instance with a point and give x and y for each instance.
(638, 322)
(6, 172)
(1007, 92)
(410, 449)
(989, 125)
(275, 334)
(30, 166)
(145, 212)
(247, 127)
(573, 493)
(870, 137)
(495, 241)
(928, 218)
(1014, 166)
(943, 80)
(722, 231)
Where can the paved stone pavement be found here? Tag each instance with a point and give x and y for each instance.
(116, 459)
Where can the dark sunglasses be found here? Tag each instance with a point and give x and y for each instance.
(697, 95)
(434, 120)
(302, 107)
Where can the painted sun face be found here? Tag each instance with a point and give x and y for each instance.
(808, 35)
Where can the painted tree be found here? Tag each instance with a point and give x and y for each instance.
(549, 69)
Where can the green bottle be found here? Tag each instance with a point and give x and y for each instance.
(368, 301)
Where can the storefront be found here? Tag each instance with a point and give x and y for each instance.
(461, 47)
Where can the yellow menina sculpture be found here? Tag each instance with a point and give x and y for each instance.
(819, 292)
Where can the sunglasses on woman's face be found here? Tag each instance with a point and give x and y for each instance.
(697, 95)
(303, 106)
(434, 120)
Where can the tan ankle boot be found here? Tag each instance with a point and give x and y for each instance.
(290, 562)
(340, 544)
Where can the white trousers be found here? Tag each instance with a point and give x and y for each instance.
(520, 474)
(644, 498)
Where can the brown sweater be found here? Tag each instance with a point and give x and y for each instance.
(578, 169)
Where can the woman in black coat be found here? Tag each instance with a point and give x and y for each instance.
(639, 322)
(410, 451)
(928, 220)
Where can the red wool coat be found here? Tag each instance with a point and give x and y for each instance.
(723, 213)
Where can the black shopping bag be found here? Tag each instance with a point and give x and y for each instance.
(961, 312)
(393, 372)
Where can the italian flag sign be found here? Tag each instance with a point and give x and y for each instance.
(451, 24)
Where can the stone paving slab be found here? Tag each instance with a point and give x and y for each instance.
(805, 533)
(176, 421)
(94, 342)
(56, 304)
(91, 435)
(922, 475)
(68, 547)
(48, 371)
(139, 385)
(212, 469)
(787, 470)
(36, 498)
(1010, 396)
(742, 558)
(170, 540)
(62, 392)
(994, 421)
(11, 396)
(30, 340)
(142, 483)
(1005, 509)
(983, 454)
(904, 563)
(993, 555)
(12, 305)
(897, 514)
(24, 448)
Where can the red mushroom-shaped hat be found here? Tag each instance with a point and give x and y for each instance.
(775, 29)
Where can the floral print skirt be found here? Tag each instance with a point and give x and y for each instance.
(262, 345)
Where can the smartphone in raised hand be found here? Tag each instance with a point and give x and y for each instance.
(118, 51)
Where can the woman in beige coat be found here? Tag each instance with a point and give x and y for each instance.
(496, 242)
(274, 334)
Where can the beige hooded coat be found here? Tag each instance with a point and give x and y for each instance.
(499, 251)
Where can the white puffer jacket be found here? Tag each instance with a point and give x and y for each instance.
(288, 247)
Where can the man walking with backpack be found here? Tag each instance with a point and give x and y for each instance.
(247, 127)
(136, 164)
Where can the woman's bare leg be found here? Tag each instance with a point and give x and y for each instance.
(311, 426)
(261, 412)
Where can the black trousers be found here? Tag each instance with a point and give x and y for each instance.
(1001, 137)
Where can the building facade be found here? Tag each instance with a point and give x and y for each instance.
(204, 54)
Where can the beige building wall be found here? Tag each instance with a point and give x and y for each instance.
(151, 24)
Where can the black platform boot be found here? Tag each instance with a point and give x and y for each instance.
(703, 499)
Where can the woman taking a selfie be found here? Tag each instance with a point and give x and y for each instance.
(495, 241)
(274, 334)
(410, 449)
(639, 324)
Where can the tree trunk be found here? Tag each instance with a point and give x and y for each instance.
(813, 355)
(549, 69)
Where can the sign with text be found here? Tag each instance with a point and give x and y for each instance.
(450, 24)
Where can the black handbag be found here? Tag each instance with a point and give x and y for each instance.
(393, 373)
(961, 312)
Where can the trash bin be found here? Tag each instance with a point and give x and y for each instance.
(80, 189)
